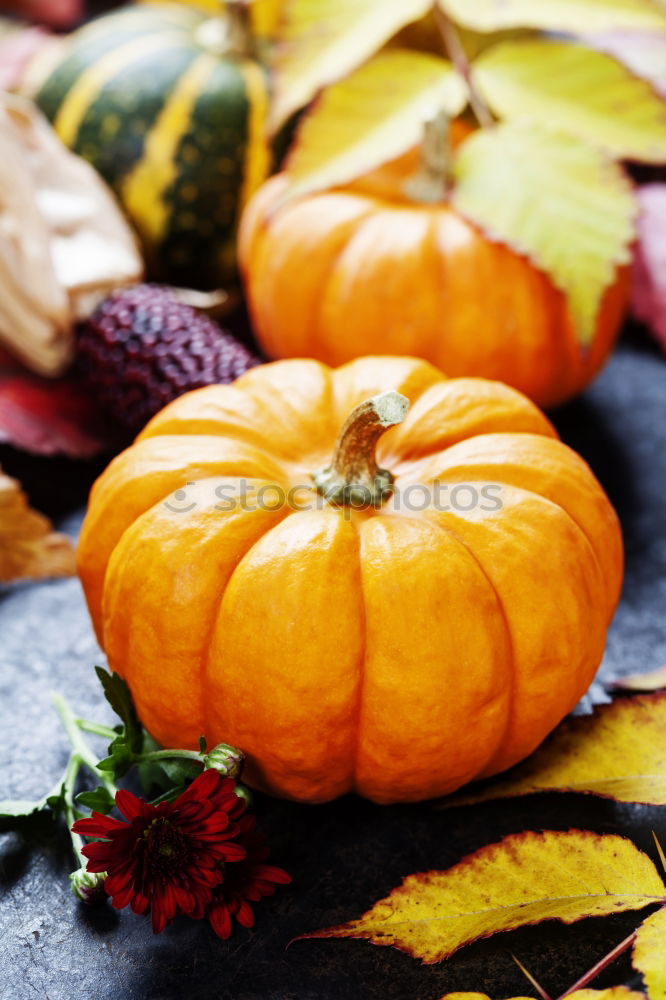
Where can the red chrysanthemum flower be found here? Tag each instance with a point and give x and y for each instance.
(244, 883)
(168, 858)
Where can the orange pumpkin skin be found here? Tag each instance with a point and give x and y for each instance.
(363, 270)
(396, 653)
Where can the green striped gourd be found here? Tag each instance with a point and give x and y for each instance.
(162, 101)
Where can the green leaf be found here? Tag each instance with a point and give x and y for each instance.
(568, 16)
(16, 812)
(578, 90)
(100, 799)
(377, 113)
(202, 744)
(555, 199)
(20, 808)
(119, 698)
(322, 40)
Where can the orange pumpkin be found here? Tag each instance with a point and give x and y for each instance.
(365, 270)
(397, 629)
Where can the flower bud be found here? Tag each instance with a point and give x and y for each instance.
(245, 794)
(225, 759)
(88, 886)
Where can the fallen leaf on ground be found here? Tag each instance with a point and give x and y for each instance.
(649, 955)
(618, 752)
(653, 680)
(524, 879)
(612, 993)
(29, 549)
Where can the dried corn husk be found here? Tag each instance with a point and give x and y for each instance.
(64, 243)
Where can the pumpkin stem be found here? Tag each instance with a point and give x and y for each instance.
(230, 34)
(429, 183)
(353, 477)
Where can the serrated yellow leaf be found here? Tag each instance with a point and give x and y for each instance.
(555, 199)
(374, 115)
(649, 954)
(580, 91)
(568, 16)
(322, 40)
(613, 993)
(524, 879)
(619, 752)
(643, 52)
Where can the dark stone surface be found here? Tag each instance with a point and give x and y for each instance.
(345, 855)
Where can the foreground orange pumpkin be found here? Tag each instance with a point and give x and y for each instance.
(365, 270)
(399, 650)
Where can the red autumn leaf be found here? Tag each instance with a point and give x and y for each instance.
(50, 416)
(649, 295)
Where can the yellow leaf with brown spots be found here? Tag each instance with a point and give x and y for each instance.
(524, 879)
(613, 993)
(649, 955)
(619, 752)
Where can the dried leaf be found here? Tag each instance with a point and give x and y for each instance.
(50, 417)
(524, 879)
(29, 549)
(649, 273)
(374, 115)
(612, 993)
(568, 16)
(554, 198)
(653, 680)
(619, 752)
(649, 954)
(578, 90)
(322, 40)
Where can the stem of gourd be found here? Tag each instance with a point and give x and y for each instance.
(458, 56)
(429, 183)
(353, 478)
(230, 34)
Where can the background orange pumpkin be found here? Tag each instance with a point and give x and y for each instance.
(365, 270)
(395, 652)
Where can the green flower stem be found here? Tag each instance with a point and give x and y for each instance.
(71, 814)
(143, 758)
(80, 748)
(80, 755)
(96, 729)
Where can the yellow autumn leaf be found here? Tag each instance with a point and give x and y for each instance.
(524, 879)
(618, 752)
(578, 90)
(568, 16)
(653, 680)
(374, 115)
(29, 549)
(613, 993)
(649, 954)
(554, 198)
(320, 41)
